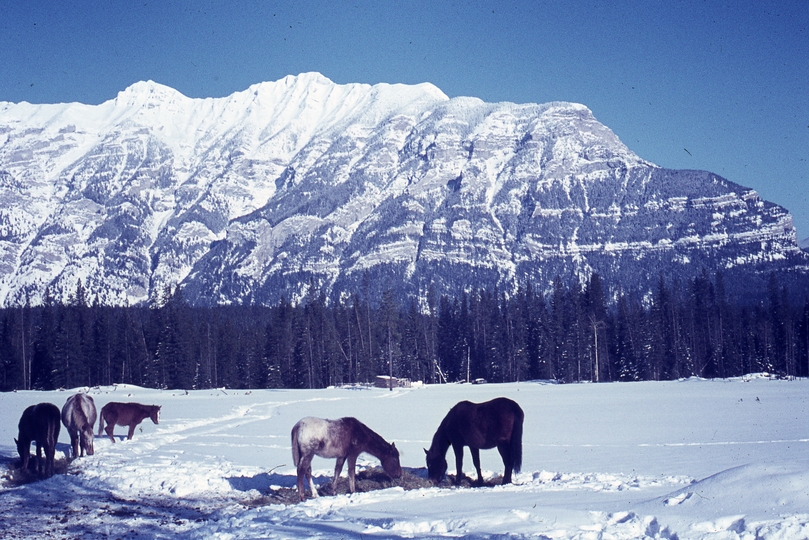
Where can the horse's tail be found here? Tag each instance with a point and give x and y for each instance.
(53, 430)
(516, 440)
(296, 449)
(100, 423)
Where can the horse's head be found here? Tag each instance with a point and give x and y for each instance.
(155, 414)
(390, 462)
(436, 465)
(86, 436)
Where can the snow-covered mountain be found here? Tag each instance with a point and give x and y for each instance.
(303, 182)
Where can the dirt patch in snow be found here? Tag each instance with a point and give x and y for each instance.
(14, 476)
(367, 480)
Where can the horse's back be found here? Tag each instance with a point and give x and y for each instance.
(79, 410)
(505, 408)
(311, 429)
(482, 425)
(503, 414)
(40, 423)
(125, 413)
(322, 437)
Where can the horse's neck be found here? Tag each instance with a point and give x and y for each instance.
(375, 444)
(441, 441)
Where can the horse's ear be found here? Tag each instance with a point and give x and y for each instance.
(425, 451)
(393, 445)
(16, 441)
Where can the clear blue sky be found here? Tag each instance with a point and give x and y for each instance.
(720, 86)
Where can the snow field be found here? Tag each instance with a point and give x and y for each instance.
(686, 459)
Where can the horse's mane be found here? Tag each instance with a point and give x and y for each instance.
(375, 440)
(441, 440)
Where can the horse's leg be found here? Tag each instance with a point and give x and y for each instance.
(301, 476)
(352, 470)
(25, 455)
(458, 449)
(315, 494)
(74, 443)
(476, 460)
(338, 468)
(505, 453)
(109, 429)
(131, 431)
(40, 466)
(50, 455)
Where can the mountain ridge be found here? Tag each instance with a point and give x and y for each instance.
(303, 183)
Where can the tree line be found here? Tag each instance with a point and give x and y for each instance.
(578, 332)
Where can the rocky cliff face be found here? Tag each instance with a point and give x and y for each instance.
(303, 183)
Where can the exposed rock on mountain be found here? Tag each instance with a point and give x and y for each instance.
(305, 183)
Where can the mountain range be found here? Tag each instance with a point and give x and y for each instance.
(303, 186)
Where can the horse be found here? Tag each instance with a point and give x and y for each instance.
(126, 414)
(345, 438)
(79, 416)
(39, 423)
(495, 423)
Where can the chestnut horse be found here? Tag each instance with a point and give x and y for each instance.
(79, 417)
(126, 414)
(495, 423)
(39, 423)
(343, 439)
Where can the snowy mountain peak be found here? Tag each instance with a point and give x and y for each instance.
(263, 193)
(147, 92)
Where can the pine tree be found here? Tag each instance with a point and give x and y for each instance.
(596, 313)
(389, 323)
(447, 339)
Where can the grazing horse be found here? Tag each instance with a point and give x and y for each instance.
(343, 439)
(126, 414)
(79, 417)
(495, 423)
(39, 423)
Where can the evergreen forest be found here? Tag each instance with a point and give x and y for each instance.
(578, 332)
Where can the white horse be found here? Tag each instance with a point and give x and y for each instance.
(342, 439)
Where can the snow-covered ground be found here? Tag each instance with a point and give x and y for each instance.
(688, 459)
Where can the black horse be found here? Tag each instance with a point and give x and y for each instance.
(495, 423)
(39, 423)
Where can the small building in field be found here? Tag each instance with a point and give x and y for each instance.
(386, 381)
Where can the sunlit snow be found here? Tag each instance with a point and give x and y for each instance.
(723, 459)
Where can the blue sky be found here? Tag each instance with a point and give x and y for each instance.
(720, 86)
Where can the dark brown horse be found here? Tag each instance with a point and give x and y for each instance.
(495, 423)
(343, 439)
(126, 414)
(79, 417)
(39, 423)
